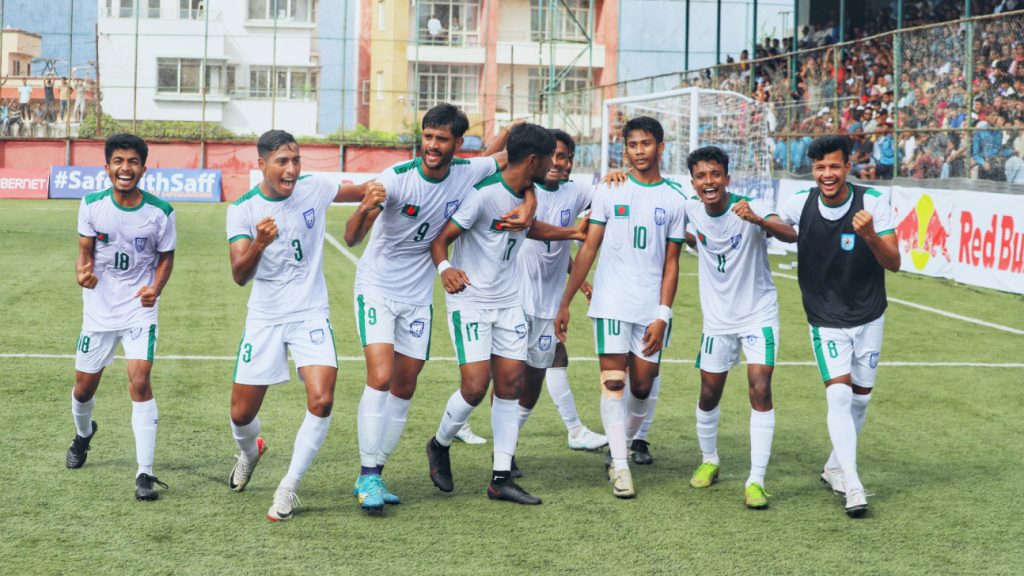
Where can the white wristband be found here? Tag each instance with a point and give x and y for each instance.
(444, 265)
(664, 313)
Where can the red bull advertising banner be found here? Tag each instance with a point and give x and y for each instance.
(975, 238)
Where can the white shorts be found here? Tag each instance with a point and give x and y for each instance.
(720, 352)
(263, 352)
(619, 337)
(540, 351)
(479, 334)
(854, 351)
(404, 326)
(95, 350)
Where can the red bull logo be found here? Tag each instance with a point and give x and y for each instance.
(921, 233)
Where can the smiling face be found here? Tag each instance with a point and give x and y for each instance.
(439, 146)
(710, 181)
(281, 169)
(125, 169)
(830, 174)
(561, 165)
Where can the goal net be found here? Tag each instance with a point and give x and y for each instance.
(696, 117)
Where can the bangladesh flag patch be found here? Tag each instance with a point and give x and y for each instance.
(103, 237)
(621, 211)
(410, 210)
(497, 225)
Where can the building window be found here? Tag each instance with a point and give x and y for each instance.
(449, 22)
(380, 85)
(191, 9)
(178, 75)
(576, 79)
(364, 93)
(287, 10)
(455, 84)
(565, 11)
(17, 67)
(289, 83)
(153, 10)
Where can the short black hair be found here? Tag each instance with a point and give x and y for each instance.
(823, 145)
(646, 124)
(563, 137)
(526, 139)
(126, 142)
(446, 115)
(272, 140)
(708, 154)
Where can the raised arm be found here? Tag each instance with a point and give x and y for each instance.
(499, 142)
(246, 252)
(148, 294)
(366, 213)
(885, 248)
(772, 224)
(521, 217)
(85, 262)
(351, 192)
(453, 279)
(580, 268)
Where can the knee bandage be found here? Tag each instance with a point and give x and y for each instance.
(613, 383)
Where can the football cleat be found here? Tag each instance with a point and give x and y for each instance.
(609, 467)
(79, 449)
(369, 494)
(705, 475)
(586, 439)
(641, 452)
(440, 465)
(755, 497)
(389, 497)
(285, 502)
(144, 487)
(511, 492)
(242, 471)
(856, 503)
(622, 484)
(465, 434)
(833, 478)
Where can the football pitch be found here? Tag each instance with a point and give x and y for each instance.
(942, 450)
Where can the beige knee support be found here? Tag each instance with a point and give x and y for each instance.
(613, 383)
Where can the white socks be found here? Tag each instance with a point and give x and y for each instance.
(371, 408)
(456, 412)
(144, 421)
(308, 441)
(558, 387)
(82, 413)
(636, 413)
(613, 417)
(707, 433)
(245, 437)
(396, 411)
(762, 428)
(524, 415)
(505, 427)
(652, 403)
(859, 410)
(843, 432)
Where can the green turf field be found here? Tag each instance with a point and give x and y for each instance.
(942, 448)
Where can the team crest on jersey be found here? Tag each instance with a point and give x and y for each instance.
(102, 237)
(659, 216)
(316, 336)
(416, 328)
(140, 244)
(521, 330)
(450, 208)
(735, 241)
(751, 339)
(565, 217)
(410, 210)
(544, 343)
(846, 241)
(873, 360)
(310, 218)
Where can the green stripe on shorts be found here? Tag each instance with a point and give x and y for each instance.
(460, 348)
(769, 346)
(819, 354)
(600, 335)
(700, 350)
(151, 348)
(234, 378)
(430, 331)
(361, 318)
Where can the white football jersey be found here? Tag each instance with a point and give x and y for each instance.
(128, 246)
(874, 202)
(543, 264)
(396, 263)
(736, 288)
(289, 283)
(485, 251)
(639, 220)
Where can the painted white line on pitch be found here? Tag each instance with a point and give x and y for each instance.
(334, 242)
(579, 359)
(967, 319)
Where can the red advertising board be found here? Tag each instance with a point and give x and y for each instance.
(25, 184)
